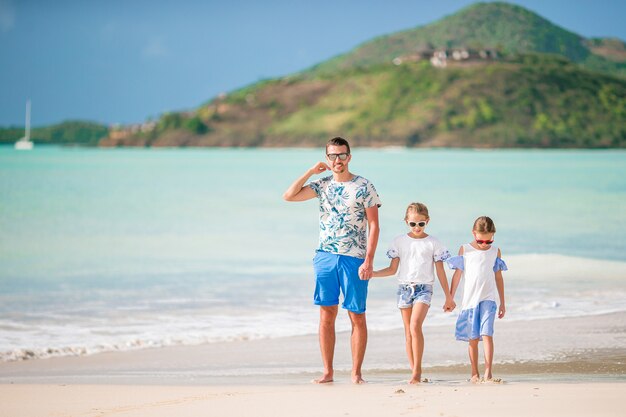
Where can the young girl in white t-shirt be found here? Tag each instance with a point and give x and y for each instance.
(481, 266)
(414, 258)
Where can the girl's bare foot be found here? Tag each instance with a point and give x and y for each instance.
(325, 379)
(492, 380)
(358, 379)
(415, 379)
(475, 379)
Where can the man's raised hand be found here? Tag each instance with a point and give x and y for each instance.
(319, 168)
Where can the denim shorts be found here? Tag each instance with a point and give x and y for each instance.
(335, 274)
(409, 294)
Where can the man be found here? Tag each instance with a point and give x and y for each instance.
(343, 262)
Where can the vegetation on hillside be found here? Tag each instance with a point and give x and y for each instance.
(527, 100)
(70, 132)
(530, 100)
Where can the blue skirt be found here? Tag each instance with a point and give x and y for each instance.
(476, 322)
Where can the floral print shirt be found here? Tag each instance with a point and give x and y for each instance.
(343, 224)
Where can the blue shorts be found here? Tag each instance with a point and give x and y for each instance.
(476, 322)
(339, 273)
(409, 294)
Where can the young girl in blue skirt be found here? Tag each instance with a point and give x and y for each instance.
(481, 265)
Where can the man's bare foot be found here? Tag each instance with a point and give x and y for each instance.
(358, 379)
(325, 379)
(415, 379)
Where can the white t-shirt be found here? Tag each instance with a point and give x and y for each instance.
(417, 258)
(480, 279)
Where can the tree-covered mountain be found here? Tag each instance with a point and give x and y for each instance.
(534, 100)
(509, 28)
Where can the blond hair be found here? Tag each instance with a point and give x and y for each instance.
(484, 224)
(417, 208)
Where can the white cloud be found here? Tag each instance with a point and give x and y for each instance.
(7, 15)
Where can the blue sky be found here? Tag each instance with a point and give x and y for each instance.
(125, 61)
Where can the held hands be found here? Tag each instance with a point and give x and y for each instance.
(319, 168)
(449, 305)
(365, 271)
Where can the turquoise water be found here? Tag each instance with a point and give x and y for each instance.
(123, 248)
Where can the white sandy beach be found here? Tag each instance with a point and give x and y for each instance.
(582, 373)
(522, 399)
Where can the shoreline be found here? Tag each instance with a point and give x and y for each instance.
(555, 367)
(590, 348)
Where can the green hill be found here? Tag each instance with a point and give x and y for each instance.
(531, 100)
(509, 28)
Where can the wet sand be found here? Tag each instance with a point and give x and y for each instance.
(592, 347)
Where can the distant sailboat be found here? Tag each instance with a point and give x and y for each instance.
(25, 144)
